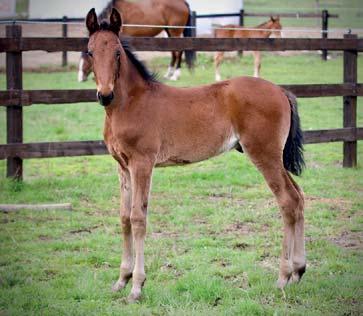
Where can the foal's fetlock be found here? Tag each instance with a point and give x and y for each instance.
(298, 273)
(122, 282)
(137, 286)
(285, 274)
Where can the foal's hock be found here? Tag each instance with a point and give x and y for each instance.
(149, 124)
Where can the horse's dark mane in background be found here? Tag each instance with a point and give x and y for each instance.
(147, 75)
(105, 13)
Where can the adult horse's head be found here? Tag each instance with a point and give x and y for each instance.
(274, 24)
(85, 67)
(104, 52)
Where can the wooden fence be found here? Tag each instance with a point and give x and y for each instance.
(14, 98)
(324, 15)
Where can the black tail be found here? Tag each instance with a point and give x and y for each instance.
(293, 151)
(189, 54)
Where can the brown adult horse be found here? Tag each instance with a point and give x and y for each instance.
(149, 124)
(148, 12)
(267, 28)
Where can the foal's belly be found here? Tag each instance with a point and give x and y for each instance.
(198, 149)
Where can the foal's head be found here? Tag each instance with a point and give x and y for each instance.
(274, 24)
(105, 50)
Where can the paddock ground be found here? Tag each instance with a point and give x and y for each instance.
(214, 231)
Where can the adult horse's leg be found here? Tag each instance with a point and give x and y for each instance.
(269, 161)
(169, 73)
(141, 170)
(177, 71)
(125, 212)
(257, 64)
(176, 54)
(218, 58)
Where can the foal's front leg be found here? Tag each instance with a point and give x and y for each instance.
(141, 171)
(125, 211)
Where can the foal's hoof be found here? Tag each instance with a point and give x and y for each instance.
(134, 297)
(118, 286)
(282, 281)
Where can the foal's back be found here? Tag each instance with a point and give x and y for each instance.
(235, 31)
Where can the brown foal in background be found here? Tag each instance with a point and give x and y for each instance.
(267, 28)
(149, 124)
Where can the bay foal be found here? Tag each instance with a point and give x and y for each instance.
(149, 124)
(264, 30)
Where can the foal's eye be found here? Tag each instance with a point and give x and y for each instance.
(90, 54)
(118, 54)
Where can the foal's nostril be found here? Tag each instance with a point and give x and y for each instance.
(105, 99)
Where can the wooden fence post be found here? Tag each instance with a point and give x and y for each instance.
(324, 29)
(14, 114)
(350, 104)
(64, 34)
(241, 24)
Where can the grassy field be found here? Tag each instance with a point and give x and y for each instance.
(214, 231)
(350, 12)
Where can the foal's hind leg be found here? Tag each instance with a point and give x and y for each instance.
(299, 261)
(125, 212)
(218, 58)
(290, 201)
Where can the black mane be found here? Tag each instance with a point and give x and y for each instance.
(145, 73)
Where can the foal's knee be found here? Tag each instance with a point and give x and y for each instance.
(138, 224)
(126, 223)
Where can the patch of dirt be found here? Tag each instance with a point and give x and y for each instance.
(270, 263)
(84, 230)
(7, 220)
(44, 237)
(240, 281)
(335, 204)
(241, 245)
(164, 234)
(239, 228)
(221, 262)
(349, 240)
(169, 267)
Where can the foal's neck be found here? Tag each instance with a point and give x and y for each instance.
(129, 83)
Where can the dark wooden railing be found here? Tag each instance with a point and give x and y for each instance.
(14, 98)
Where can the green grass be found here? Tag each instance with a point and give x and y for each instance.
(214, 231)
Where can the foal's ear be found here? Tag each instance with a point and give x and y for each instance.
(275, 19)
(115, 21)
(91, 22)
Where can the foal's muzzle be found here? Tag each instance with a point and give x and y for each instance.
(105, 99)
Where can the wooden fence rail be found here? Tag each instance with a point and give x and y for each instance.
(14, 98)
(54, 44)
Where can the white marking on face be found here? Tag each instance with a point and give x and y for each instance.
(81, 76)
